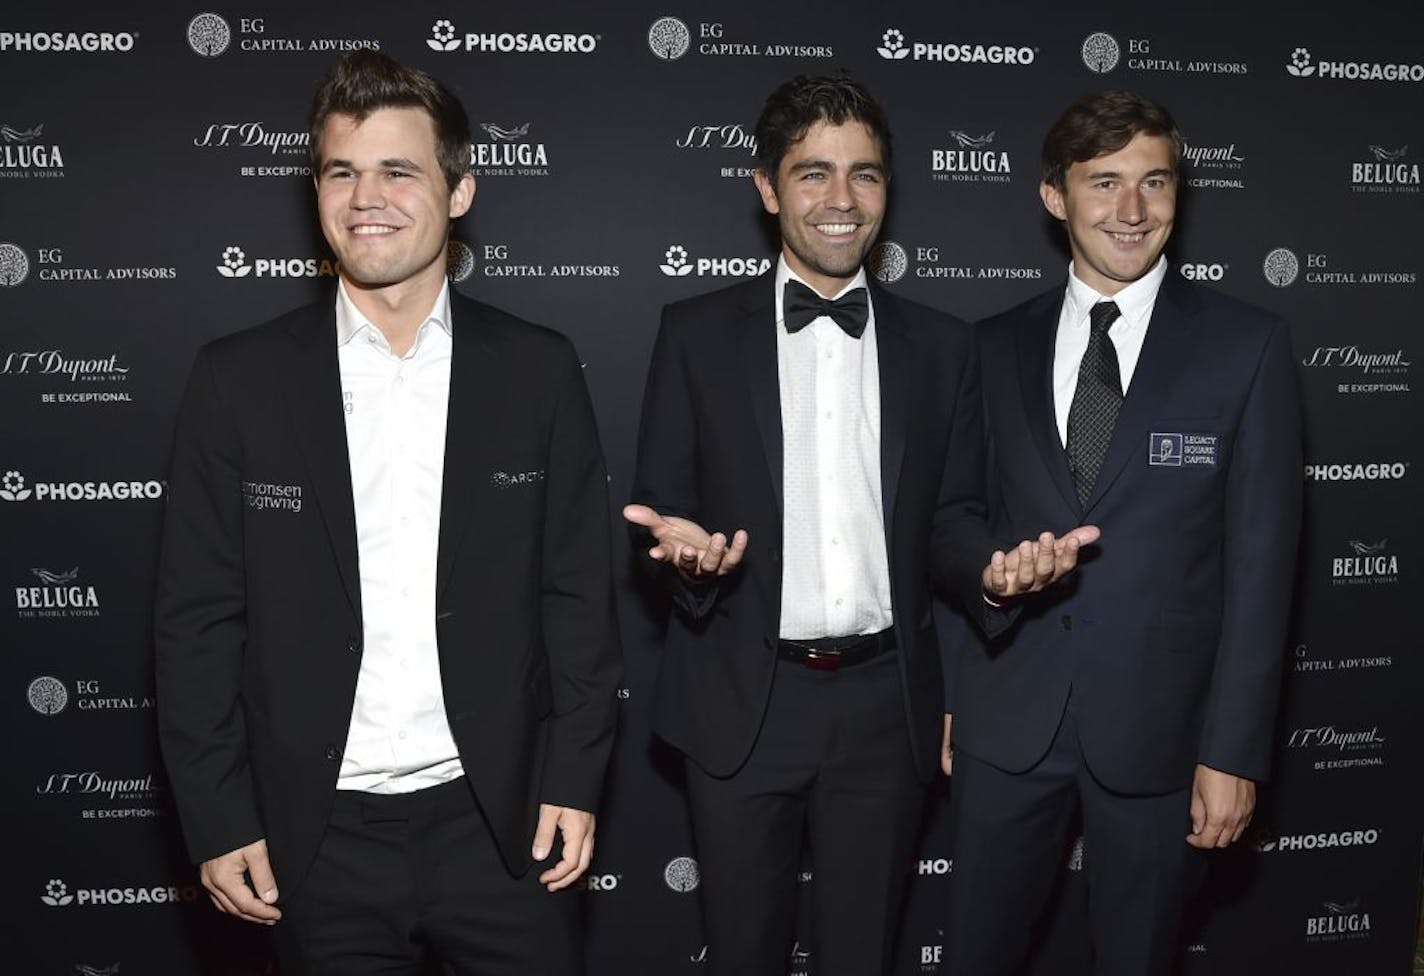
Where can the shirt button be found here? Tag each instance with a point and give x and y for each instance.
(839, 602)
(835, 541)
(828, 415)
(400, 735)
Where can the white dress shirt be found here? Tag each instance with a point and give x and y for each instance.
(835, 576)
(399, 740)
(1127, 333)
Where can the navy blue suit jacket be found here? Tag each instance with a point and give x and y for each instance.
(1171, 633)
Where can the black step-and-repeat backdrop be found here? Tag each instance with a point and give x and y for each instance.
(155, 193)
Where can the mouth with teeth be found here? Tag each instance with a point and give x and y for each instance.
(372, 230)
(836, 230)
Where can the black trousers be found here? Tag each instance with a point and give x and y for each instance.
(1009, 833)
(831, 764)
(399, 876)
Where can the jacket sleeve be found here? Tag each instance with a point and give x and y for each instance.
(1262, 527)
(577, 611)
(200, 627)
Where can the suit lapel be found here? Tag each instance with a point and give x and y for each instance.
(312, 382)
(1035, 340)
(474, 410)
(756, 346)
(895, 354)
(1164, 349)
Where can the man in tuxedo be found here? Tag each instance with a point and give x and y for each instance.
(386, 650)
(810, 456)
(1144, 688)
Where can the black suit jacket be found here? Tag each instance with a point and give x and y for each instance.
(258, 615)
(1172, 634)
(710, 449)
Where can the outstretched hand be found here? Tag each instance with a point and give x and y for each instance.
(1031, 566)
(687, 546)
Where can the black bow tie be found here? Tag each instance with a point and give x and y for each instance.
(801, 306)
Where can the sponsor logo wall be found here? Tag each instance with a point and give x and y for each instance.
(155, 193)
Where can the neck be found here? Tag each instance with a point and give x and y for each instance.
(399, 309)
(823, 284)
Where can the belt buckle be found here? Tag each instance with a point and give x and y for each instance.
(819, 660)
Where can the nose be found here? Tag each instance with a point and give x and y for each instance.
(840, 195)
(369, 192)
(1131, 209)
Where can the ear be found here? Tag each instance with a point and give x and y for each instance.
(1053, 200)
(767, 189)
(462, 196)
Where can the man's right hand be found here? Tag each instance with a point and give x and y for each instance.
(230, 891)
(687, 546)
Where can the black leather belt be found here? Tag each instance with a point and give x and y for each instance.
(834, 653)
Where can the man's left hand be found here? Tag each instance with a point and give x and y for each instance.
(1031, 566)
(576, 826)
(1221, 807)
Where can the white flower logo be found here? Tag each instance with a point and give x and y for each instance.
(892, 45)
(56, 894)
(234, 263)
(14, 489)
(1300, 65)
(442, 36)
(677, 264)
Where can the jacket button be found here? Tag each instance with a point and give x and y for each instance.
(775, 555)
(353, 644)
(333, 753)
(1066, 621)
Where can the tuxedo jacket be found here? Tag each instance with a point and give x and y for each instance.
(258, 612)
(710, 449)
(1171, 633)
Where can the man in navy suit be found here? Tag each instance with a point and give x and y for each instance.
(1143, 688)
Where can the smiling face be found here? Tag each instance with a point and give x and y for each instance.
(383, 201)
(829, 198)
(1118, 209)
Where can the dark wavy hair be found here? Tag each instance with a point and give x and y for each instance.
(364, 81)
(796, 106)
(1103, 123)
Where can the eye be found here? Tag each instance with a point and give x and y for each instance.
(869, 177)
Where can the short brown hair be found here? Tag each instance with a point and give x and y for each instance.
(364, 81)
(1096, 125)
(805, 100)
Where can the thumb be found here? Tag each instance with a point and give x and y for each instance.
(260, 870)
(544, 833)
(1198, 812)
(1085, 534)
(641, 515)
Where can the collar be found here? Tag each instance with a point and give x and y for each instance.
(350, 322)
(1134, 301)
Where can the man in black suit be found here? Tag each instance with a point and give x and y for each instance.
(387, 656)
(830, 434)
(1143, 689)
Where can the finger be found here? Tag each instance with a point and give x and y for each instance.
(564, 873)
(995, 577)
(245, 904)
(544, 832)
(1085, 535)
(1026, 562)
(259, 869)
(735, 552)
(1043, 566)
(641, 515)
(1198, 812)
(711, 557)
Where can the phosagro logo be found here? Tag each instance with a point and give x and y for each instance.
(234, 265)
(14, 265)
(1373, 471)
(444, 37)
(1301, 66)
(1265, 842)
(893, 47)
(1200, 271)
(677, 264)
(57, 894)
(15, 489)
(70, 42)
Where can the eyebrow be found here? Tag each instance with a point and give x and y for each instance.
(399, 162)
(1114, 174)
(827, 166)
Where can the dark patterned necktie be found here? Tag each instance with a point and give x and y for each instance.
(800, 306)
(1096, 400)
